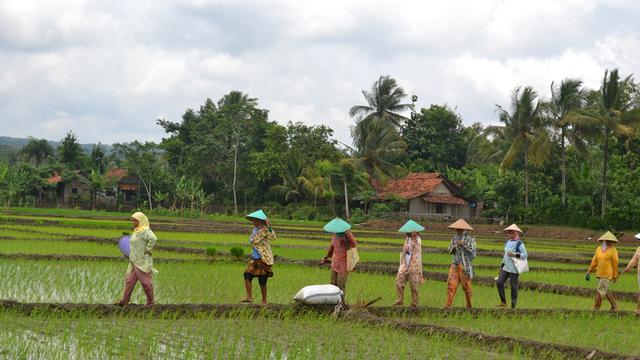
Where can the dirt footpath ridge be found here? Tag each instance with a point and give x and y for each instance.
(364, 316)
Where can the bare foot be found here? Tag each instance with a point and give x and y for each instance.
(246, 300)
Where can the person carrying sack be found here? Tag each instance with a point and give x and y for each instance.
(341, 242)
(605, 264)
(463, 249)
(513, 248)
(410, 269)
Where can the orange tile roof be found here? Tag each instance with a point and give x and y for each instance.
(117, 173)
(412, 186)
(56, 178)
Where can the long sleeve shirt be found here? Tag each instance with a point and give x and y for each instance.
(507, 260)
(411, 256)
(605, 263)
(141, 246)
(338, 253)
(634, 262)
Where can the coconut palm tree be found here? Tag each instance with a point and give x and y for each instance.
(384, 104)
(379, 150)
(524, 127)
(290, 174)
(609, 114)
(566, 98)
(37, 150)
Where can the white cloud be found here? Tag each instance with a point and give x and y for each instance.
(107, 69)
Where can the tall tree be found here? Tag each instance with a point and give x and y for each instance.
(70, 152)
(238, 107)
(37, 150)
(524, 127)
(609, 114)
(384, 104)
(566, 97)
(144, 161)
(379, 150)
(98, 159)
(437, 137)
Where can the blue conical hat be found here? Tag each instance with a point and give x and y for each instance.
(411, 226)
(260, 215)
(337, 225)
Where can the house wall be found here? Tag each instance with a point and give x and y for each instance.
(418, 206)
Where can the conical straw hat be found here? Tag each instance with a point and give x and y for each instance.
(608, 236)
(260, 215)
(460, 224)
(513, 227)
(336, 226)
(411, 226)
(637, 236)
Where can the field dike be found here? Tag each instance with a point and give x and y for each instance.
(362, 267)
(363, 316)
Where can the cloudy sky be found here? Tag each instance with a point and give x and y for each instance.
(108, 69)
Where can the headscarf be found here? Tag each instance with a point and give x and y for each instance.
(604, 246)
(143, 222)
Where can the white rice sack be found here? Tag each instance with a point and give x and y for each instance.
(319, 294)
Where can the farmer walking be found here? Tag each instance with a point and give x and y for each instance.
(140, 267)
(410, 269)
(261, 259)
(513, 248)
(341, 242)
(632, 263)
(463, 249)
(605, 264)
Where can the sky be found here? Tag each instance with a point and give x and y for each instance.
(106, 70)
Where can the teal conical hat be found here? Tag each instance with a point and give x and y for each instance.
(411, 226)
(337, 225)
(260, 215)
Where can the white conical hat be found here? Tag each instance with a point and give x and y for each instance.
(637, 236)
(460, 224)
(608, 236)
(514, 227)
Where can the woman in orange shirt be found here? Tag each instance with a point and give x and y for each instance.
(605, 264)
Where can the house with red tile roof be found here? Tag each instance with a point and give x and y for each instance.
(433, 196)
(127, 185)
(70, 190)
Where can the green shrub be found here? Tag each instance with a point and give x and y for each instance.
(237, 252)
(211, 251)
(358, 216)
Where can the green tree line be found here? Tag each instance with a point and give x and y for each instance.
(571, 158)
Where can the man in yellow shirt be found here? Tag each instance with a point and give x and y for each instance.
(605, 264)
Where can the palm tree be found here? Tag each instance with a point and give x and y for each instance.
(37, 150)
(290, 174)
(524, 126)
(566, 98)
(610, 114)
(384, 104)
(379, 148)
(312, 183)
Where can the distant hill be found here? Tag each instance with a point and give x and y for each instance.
(11, 144)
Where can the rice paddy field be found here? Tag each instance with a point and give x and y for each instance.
(62, 271)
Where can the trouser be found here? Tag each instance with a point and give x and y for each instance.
(262, 279)
(340, 280)
(458, 277)
(130, 281)
(414, 281)
(513, 280)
